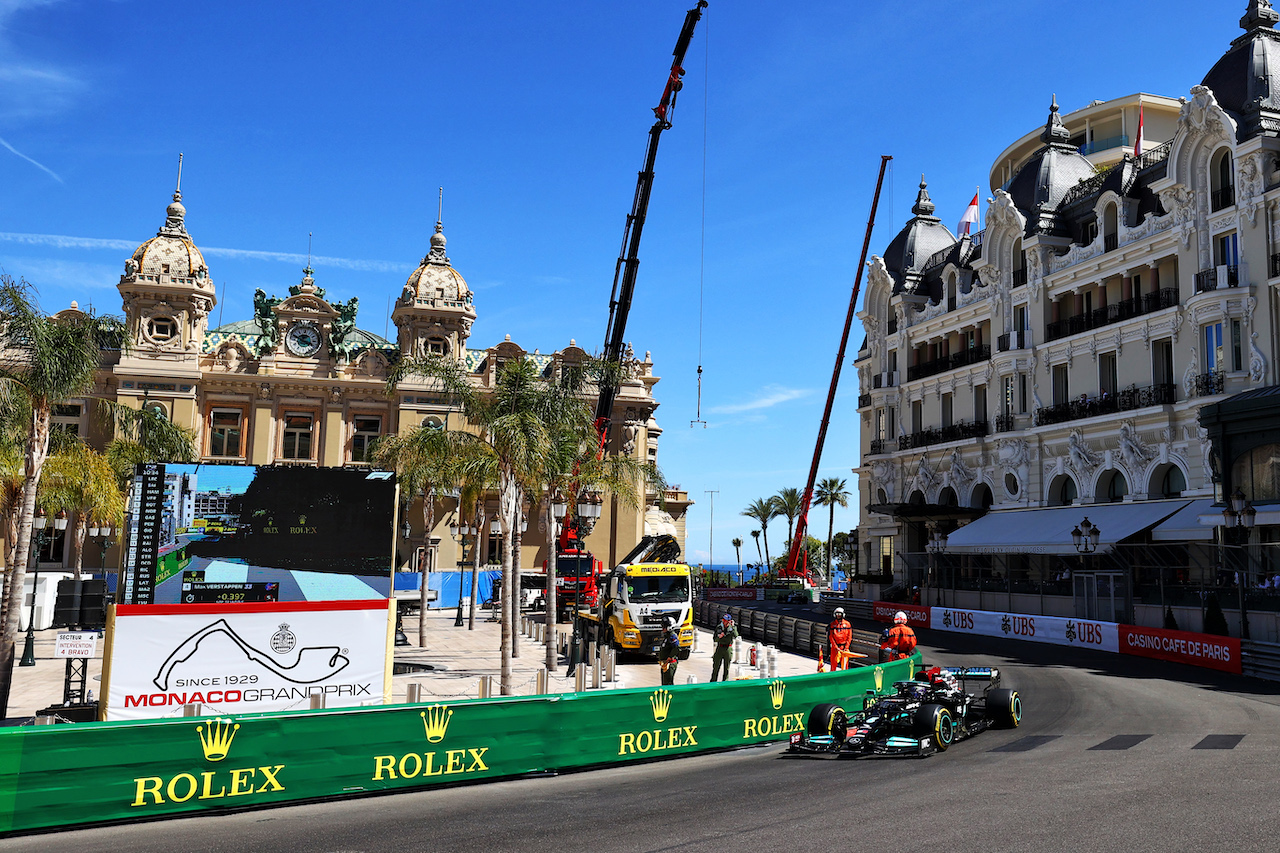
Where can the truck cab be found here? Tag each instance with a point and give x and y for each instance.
(637, 596)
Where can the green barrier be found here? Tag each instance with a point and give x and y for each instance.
(93, 772)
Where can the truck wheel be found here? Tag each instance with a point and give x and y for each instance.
(935, 721)
(829, 720)
(1004, 708)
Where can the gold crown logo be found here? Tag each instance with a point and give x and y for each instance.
(435, 720)
(776, 690)
(216, 738)
(879, 678)
(661, 702)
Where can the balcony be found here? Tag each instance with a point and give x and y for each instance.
(1110, 242)
(1117, 312)
(1227, 275)
(1005, 423)
(1019, 277)
(1014, 340)
(879, 446)
(954, 432)
(885, 380)
(1107, 144)
(1274, 265)
(891, 328)
(864, 400)
(1126, 400)
(1208, 384)
(973, 355)
(1225, 197)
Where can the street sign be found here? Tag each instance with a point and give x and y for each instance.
(76, 644)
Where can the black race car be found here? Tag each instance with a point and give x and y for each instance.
(919, 718)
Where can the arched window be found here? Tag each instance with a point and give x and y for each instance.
(1062, 491)
(1168, 481)
(948, 497)
(1114, 487)
(1256, 472)
(981, 497)
(881, 497)
(917, 498)
(1221, 183)
(1110, 228)
(1019, 264)
(951, 291)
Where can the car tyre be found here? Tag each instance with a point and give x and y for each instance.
(1004, 708)
(936, 722)
(828, 719)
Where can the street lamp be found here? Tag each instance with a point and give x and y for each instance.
(559, 509)
(937, 545)
(1238, 518)
(38, 532)
(1085, 537)
(461, 530)
(104, 538)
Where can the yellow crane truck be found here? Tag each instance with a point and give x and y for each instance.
(647, 587)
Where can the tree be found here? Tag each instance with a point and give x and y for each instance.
(763, 510)
(47, 361)
(737, 550)
(1214, 621)
(788, 502)
(755, 534)
(425, 460)
(831, 492)
(80, 482)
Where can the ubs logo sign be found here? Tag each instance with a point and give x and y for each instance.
(1086, 633)
(957, 620)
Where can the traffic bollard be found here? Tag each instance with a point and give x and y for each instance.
(692, 679)
(580, 678)
(773, 661)
(737, 650)
(486, 686)
(540, 685)
(413, 693)
(595, 675)
(317, 701)
(191, 709)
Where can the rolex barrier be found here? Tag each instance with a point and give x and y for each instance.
(94, 772)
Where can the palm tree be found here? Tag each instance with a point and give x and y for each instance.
(789, 503)
(755, 534)
(80, 482)
(425, 460)
(831, 491)
(737, 549)
(48, 360)
(762, 510)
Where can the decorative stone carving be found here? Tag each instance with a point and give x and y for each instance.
(1133, 450)
(342, 326)
(630, 432)
(1203, 116)
(960, 475)
(265, 318)
(882, 477)
(1002, 212)
(1189, 375)
(1206, 453)
(925, 477)
(989, 276)
(232, 357)
(878, 275)
(1251, 185)
(1083, 458)
(264, 391)
(1257, 361)
(130, 267)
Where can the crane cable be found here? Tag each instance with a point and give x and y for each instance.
(702, 249)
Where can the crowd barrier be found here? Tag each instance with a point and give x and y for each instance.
(802, 636)
(88, 773)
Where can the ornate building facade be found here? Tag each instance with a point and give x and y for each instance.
(301, 384)
(1060, 357)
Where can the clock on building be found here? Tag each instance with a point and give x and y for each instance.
(303, 339)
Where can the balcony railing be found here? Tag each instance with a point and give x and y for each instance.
(885, 380)
(864, 400)
(954, 432)
(1110, 242)
(1004, 423)
(1019, 277)
(1208, 384)
(1014, 340)
(1125, 400)
(1224, 197)
(1207, 280)
(1156, 155)
(1275, 265)
(973, 355)
(892, 326)
(879, 445)
(1117, 312)
(1107, 144)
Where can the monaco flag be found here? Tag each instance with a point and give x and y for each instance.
(1137, 143)
(970, 216)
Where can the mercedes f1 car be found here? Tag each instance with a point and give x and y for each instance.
(921, 717)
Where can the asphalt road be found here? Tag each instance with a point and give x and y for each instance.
(1114, 754)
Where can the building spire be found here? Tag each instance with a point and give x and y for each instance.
(177, 191)
(440, 213)
(175, 213)
(923, 205)
(1054, 129)
(436, 255)
(1260, 14)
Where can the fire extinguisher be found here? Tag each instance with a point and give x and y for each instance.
(753, 656)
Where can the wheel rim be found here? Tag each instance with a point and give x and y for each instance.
(946, 729)
(1015, 709)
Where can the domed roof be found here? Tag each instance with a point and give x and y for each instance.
(1042, 183)
(171, 252)
(1246, 80)
(435, 278)
(919, 238)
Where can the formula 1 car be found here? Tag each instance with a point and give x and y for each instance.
(920, 717)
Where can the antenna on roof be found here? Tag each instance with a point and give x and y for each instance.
(308, 251)
(178, 188)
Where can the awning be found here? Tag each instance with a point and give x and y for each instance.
(926, 512)
(1048, 530)
(1184, 525)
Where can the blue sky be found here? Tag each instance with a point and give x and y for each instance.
(342, 120)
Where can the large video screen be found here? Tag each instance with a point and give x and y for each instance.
(208, 534)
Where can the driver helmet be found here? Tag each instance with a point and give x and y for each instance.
(899, 618)
(839, 614)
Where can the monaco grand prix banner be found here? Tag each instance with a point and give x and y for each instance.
(1060, 631)
(242, 658)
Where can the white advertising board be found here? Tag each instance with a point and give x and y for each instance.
(244, 658)
(1058, 630)
(76, 644)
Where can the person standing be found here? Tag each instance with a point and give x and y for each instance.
(669, 652)
(898, 641)
(839, 636)
(726, 632)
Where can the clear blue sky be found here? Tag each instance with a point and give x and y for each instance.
(342, 119)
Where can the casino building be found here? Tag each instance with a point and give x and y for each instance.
(300, 383)
(1054, 366)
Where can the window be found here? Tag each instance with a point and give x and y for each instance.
(161, 329)
(1107, 373)
(1226, 251)
(297, 435)
(893, 421)
(1213, 360)
(1221, 183)
(67, 418)
(1110, 227)
(1061, 390)
(225, 431)
(1117, 487)
(437, 346)
(1172, 482)
(1006, 407)
(946, 409)
(1256, 472)
(1022, 393)
(1088, 232)
(1020, 320)
(886, 556)
(366, 430)
(917, 416)
(881, 425)
(1236, 353)
(979, 403)
(1162, 362)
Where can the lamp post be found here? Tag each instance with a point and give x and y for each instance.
(1085, 537)
(1238, 518)
(936, 546)
(104, 538)
(588, 509)
(42, 539)
(559, 509)
(461, 530)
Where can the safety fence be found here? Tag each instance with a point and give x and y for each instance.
(88, 773)
(787, 632)
(1260, 660)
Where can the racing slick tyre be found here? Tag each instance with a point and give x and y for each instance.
(1004, 708)
(828, 720)
(936, 722)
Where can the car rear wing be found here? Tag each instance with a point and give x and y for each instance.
(975, 673)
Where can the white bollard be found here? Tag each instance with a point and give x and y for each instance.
(486, 686)
(413, 693)
(192, 709)
(737, 649)
(695, 640)
(317, 701)
(541, 683)
(773, 661)
(580, 677)
(692, 679)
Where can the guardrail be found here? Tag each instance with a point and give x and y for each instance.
(803, 636)
(98, 772)
(1260, 660)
